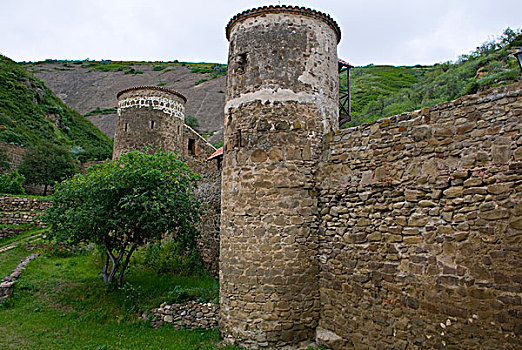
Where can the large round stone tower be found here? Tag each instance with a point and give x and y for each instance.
(149, 116)
(282, 98)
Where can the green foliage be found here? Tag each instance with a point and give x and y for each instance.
(162, 83)
(200, 81)
(212, 71)
(11, 183)
(101, 111)
(158, 68)
(382, 91)
(47, 163)
(108, 66)
(124, 203)
(192, 121)
(133, 71)
(218, 144)
(180, 295)
(172, 257)
(61, 303)
(31, 113)
(215, 70)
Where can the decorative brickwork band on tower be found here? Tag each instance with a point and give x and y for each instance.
(149, 116)
(282, 98)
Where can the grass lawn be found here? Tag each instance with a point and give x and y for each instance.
(62, 303)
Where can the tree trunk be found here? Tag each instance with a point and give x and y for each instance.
(45, 190)
(109, 278)
(105, 267)
(126, 262)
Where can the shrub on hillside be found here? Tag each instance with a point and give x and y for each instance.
(11, 183)
(171, 256)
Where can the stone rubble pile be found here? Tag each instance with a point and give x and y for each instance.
(190, 315)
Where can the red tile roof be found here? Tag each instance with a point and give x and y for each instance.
(219, 152)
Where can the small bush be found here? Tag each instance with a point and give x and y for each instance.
(180, 295)
(200, 81)
(60, 250)
(130, 296)
(133, 71)
(11, 183)
(170, 257)
(192, 121)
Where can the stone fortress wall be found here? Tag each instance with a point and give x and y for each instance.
(421, 224)
(400, 234)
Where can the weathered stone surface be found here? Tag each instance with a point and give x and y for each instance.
(20, 211)
(187, 316)
(432, 248)
(269, 283)
(403, 233)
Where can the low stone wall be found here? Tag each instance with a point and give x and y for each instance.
(7, 284)
(8, 232)
(421, 224)
(190, 315)
(21, 210)
(12, 204)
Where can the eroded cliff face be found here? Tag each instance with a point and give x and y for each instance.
(85, 90)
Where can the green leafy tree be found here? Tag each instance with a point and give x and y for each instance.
(125, 203)
(47, 163)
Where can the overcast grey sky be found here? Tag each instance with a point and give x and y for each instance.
(399, 32)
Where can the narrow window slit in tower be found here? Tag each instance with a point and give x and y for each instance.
(191, 146)
(126, 127)
(152, 124)
(239, 142)
(241, 62)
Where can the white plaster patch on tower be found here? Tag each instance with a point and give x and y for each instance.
(167, 106)
(271, 95)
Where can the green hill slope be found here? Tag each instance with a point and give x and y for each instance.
(383, 91)
(30, 113)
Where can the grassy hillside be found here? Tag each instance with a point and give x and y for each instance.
(382, 91)
(90, 87)
(30, 113)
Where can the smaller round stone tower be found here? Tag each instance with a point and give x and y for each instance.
(149, 116)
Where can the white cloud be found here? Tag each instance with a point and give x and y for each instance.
(381, 32)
